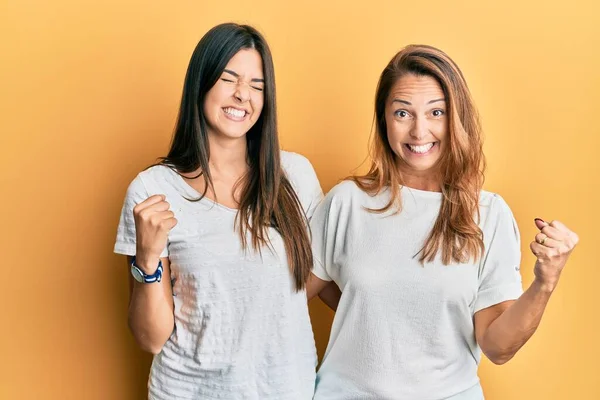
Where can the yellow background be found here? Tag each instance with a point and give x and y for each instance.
(89, 95)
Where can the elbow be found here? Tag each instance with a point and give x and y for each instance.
(151, 348)
(499, 356)
(148, 343)
(500, 359)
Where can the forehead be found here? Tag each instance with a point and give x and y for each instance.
(412, 87)
(246, 62)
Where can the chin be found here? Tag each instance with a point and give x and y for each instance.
(424, 166)
(233, 133)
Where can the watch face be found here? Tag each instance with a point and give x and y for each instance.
(137, 274)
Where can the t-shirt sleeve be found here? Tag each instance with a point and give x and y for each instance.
(125, 243)
(500, 277)
(323, 239)
(315, 193)
(304, 179)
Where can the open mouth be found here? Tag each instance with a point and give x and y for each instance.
(235, 113)
(420, 149)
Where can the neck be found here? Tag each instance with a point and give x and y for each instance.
(422, 180)
(227, 156)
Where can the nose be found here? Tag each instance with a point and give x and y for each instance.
(242, 92)
(419, 129)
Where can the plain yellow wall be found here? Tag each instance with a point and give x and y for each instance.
(89, 94)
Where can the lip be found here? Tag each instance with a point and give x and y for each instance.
(409, 151)
(237, 108)
(234, 118)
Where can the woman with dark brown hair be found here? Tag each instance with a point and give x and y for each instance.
(217, 238)
(427, 262)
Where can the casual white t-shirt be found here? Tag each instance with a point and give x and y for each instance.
(241, 330)
(403, 330)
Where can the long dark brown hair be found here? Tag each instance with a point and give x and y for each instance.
(267, 198)
(456, 229)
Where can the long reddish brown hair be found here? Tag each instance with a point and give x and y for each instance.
(456, 229)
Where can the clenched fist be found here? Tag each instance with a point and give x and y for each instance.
(552, 247)
(153, 221)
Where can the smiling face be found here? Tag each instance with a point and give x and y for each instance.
(233, 105)
(417, 126)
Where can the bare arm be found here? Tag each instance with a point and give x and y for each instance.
(151, 308)
(501, 330)
(331, 295)
(151, 317)
(328, 291)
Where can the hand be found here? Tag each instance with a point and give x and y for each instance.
(153, 221)
(552, 248)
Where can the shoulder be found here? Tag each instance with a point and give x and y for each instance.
(303, 178)
(299, 171)
(346, 189)
(156, 173)
(294, 163)
(493, 203)
(347, 194)
(150, 181)
(495, 211)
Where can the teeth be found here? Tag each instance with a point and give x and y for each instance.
(420, 149)
(234, 112)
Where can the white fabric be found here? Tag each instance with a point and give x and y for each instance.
(403, 330)
(241, 330)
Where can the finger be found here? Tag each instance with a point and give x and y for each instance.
(560, 226)
(547, 241)
(553, 233)
(540, 223)
(149, 202)
(542, 253)
(170, 223)
(574, 238)
(166, 214)
(158, 218)
(154, 212)
(158, 207)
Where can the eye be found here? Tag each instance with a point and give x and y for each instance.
(257, 88)
(437, 113)
(401, 113)
(227, 80)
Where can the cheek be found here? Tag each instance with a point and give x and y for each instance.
(258, 103)
(210, 102)
(396, 133)
(217, 96)
(440, 130)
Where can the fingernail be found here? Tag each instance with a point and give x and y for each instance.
(541, 220)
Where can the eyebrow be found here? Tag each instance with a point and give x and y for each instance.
(237, 76)
(410, 104)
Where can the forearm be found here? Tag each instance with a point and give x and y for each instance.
(513, 328)
(151, 317)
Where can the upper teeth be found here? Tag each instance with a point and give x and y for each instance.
(234, 112)
(421, 149)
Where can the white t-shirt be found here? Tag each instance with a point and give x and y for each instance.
(403, 330)
(241, 330)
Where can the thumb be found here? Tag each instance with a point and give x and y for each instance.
(540, 223)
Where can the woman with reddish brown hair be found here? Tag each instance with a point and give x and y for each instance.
(427, 262)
